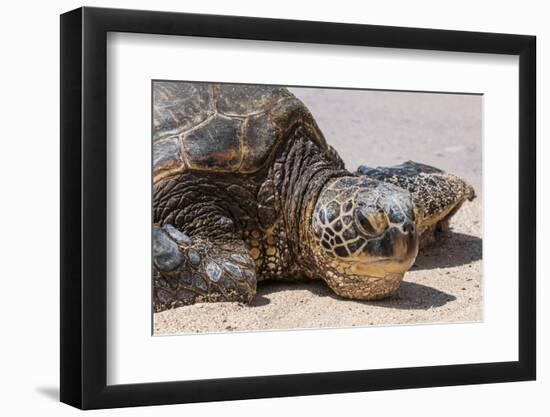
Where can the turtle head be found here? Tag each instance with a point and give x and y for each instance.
(364, 229)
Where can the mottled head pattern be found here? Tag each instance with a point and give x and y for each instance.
(364, 227)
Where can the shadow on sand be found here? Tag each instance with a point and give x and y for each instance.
(453, 249)
(411, 296)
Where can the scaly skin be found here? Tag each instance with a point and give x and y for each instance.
(258, 217)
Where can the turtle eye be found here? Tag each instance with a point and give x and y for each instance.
(372, 222)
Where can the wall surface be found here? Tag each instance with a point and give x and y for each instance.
(30, 219)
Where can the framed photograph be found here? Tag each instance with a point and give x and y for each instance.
(259, 208)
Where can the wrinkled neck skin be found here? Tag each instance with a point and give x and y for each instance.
(303, 171)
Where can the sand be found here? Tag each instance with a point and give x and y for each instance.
(445, 283)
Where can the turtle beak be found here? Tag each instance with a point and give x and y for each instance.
(397, 244)
(404, 242)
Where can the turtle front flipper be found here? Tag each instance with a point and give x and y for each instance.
(437, 195)
(188, 270)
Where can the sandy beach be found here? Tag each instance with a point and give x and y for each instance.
(445, 283)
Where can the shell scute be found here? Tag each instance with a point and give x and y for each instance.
(244, 100)
(259, 136)
(166, 154)
(216, 145)
(178, 106)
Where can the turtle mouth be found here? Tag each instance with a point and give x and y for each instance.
(382, 267)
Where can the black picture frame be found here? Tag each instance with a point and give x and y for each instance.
(84, 222)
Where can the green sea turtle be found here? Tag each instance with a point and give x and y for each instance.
(245, 189)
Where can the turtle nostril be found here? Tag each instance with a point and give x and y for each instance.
(408, 227)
